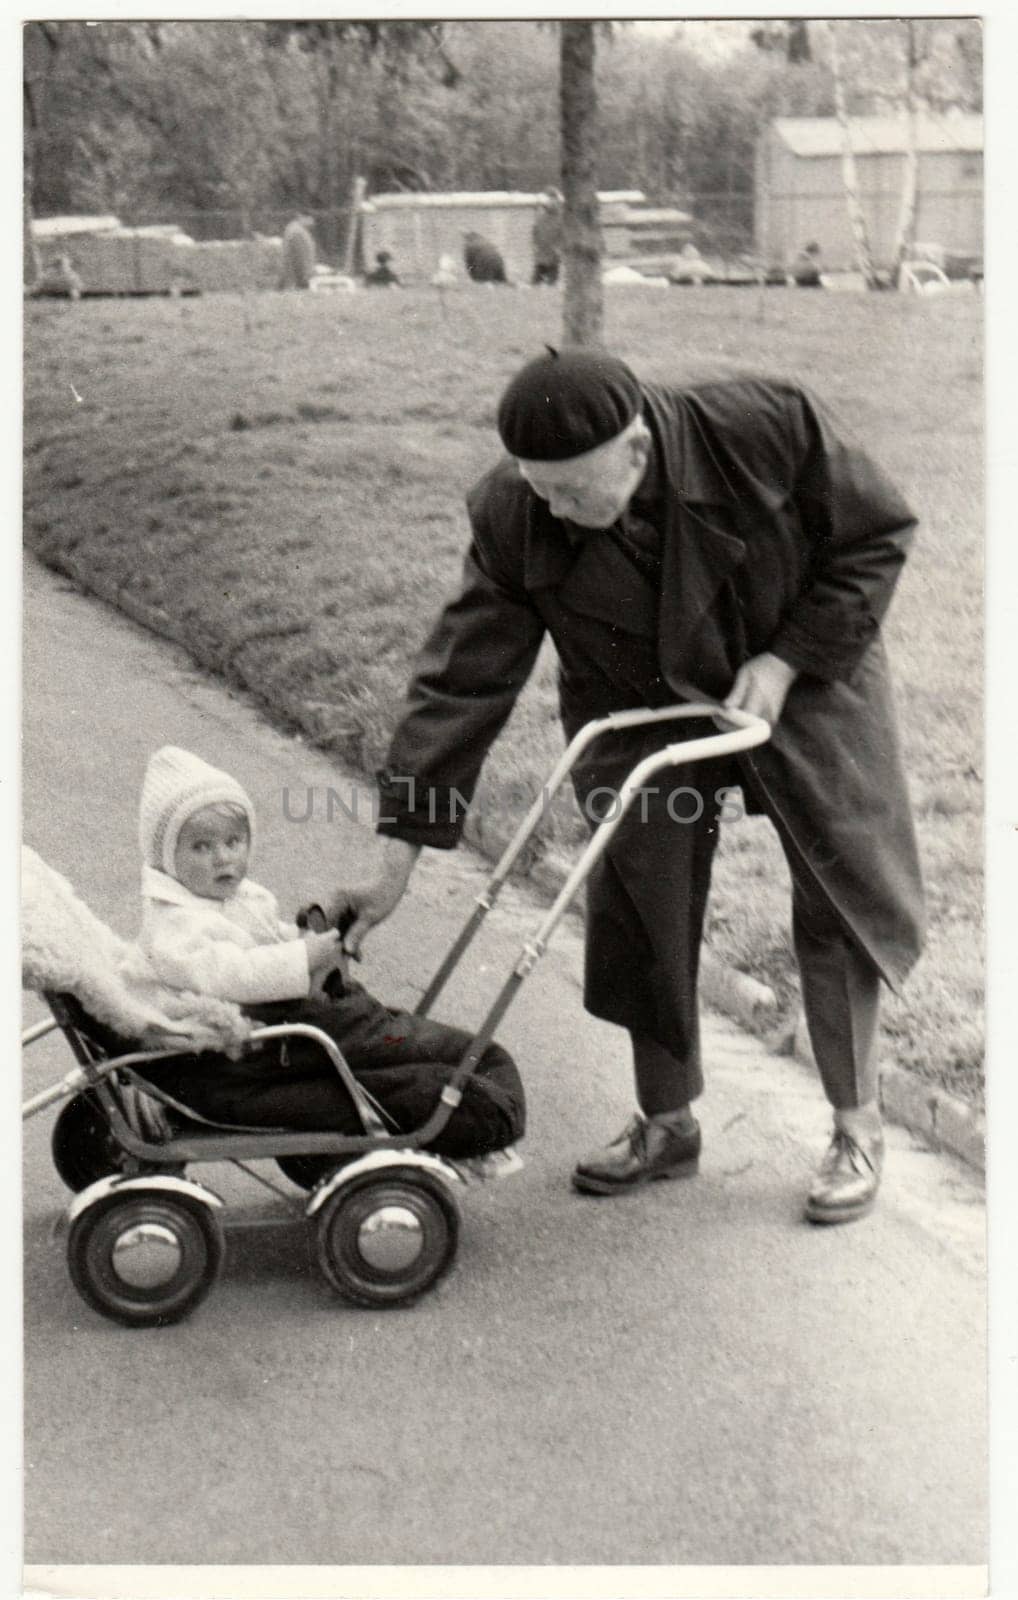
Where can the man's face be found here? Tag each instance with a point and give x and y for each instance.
(592, 490)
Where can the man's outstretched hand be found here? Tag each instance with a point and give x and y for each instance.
(367, 904)
(761, 687)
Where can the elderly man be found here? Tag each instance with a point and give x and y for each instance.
(726, 541)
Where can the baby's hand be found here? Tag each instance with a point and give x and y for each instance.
(323, 950)
(328, 987)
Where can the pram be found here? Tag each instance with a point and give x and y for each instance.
(145, 1239)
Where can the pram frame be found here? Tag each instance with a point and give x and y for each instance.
(225, 1143)
(745, 732)
(379, 1150)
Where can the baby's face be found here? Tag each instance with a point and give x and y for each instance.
(211, 854)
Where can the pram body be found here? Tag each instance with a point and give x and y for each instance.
(145, 1238)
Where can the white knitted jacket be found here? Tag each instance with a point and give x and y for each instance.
(236, 949)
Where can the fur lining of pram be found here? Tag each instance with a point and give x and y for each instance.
(66, 948)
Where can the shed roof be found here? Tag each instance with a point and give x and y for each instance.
(58, 227)
(821, 136)
(486, 197)
(658, 216)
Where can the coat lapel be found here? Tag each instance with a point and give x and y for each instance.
(547, 556)
(700, 548)
(602, 583)
(593, 578)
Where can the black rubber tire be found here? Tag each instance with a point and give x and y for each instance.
(185, 1224)
(84, 1149)
(338, 1231)
(82, 1145)
(307, 1171)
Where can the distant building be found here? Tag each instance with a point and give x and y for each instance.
(421, 228)
(800, 196)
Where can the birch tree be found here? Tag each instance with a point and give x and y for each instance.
(910, 177)
(860, 233)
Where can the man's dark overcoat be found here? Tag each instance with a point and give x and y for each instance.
(777, 534)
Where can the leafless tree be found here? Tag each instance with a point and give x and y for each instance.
(583, 309)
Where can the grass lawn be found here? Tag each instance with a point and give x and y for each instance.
(284, 475)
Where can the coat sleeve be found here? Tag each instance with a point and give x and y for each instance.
(859, 529)
(468, 677)
(187, 957)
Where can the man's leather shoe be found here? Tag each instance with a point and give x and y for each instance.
(846, 1185)
(644, 1150)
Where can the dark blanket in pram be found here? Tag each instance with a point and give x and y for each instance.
(403, 1061)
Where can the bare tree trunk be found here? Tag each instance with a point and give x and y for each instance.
(863, 254)
(41, 43)
(583, 308)
(353, 225)
(910, 178)
(31, 260)
(330, 179)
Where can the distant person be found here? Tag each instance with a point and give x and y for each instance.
(447, 276)
(690, 267)
(546, 238)
(482, 259)
(807, 267)
(59, 281)
(383, 276)
(208, 927)
(298, 254)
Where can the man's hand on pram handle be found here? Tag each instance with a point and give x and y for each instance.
(315, 919)
(367, 904)
(761, 687)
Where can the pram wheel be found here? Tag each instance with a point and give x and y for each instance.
(84, 1149)
(145, 1258)
(306, 1171)
(387, 1236)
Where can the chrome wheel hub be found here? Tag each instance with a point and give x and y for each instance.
(146, 1255)
(391, 1238)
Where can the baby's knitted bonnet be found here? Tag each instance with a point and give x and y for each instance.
(177, 784)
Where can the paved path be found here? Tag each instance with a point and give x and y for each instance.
(686, 1376)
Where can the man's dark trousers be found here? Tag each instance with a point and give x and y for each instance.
(647, 900)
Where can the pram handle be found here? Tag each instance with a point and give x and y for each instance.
(38, 1030)
(74, 1081)
(86, 1078)
(756, 731)
(747, 730)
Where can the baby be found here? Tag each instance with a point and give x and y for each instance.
(207, 926)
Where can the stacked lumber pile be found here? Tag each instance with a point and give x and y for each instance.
(157, 259)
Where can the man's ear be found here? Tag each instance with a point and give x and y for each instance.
(639, 446)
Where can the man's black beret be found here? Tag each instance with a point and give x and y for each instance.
(565, 403)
